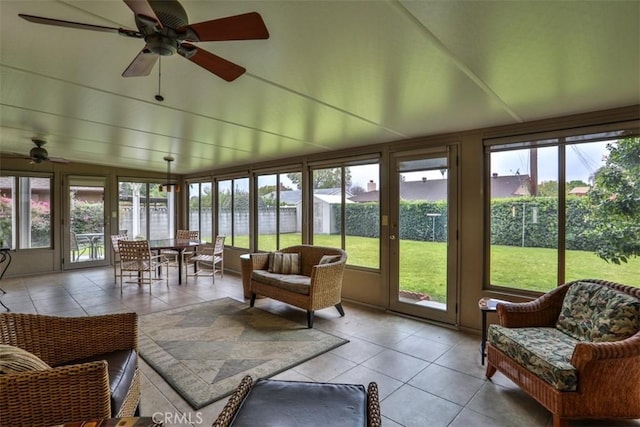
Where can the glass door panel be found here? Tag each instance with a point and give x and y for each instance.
(423, 244)
(85, 233)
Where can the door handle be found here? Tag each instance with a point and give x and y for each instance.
(392, 237)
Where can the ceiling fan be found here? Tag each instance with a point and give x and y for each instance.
(164, 26)
(39, 154)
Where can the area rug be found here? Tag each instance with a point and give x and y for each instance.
(204, 350)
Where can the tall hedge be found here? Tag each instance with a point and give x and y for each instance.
(420, 221)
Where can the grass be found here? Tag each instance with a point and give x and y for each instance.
(423, 265)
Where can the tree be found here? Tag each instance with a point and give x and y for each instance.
(357, 189)
(550, 188)
(615, 203)
(324, 178)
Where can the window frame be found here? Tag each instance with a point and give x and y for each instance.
(230, 238)
(200, 183)
(17, 202)
(278, 174)
(343, 164)
(561, 139)
(172, 202)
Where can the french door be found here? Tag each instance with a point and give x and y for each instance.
(423, 234)
(85, 226)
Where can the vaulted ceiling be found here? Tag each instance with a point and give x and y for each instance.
(332, 75)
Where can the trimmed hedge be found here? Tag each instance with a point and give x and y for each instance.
(420, 221)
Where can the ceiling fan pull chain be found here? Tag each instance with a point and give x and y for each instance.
(159, 97)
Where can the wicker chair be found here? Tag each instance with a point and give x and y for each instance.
(608, 373)
(325, 285)
(278, 407)
(67, 392)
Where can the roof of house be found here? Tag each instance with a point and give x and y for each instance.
(436, 189)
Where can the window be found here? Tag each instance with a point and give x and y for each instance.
(279, 202)
(233, 211)
(25, 212)
(346, 211)
(201, 209)
(564, 207)
(145, 212)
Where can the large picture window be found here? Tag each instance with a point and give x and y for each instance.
(25, 212)
(279, 203)
(564, 207)
(233, 211)
(201, 209)
(346, 211)
(144, 211)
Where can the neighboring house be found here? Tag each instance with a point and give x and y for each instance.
(579, 191)
(324, 221)
(436, 189)
(40, 188)
(323, 200)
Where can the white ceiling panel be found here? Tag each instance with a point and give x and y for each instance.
(332, 75)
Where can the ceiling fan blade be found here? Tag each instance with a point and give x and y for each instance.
(142, 7)
(248, 26)
(222, 68)
(141, 65)
(15, 156)
(79, 25)
(57, 160)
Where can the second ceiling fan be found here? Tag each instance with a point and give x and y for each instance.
(165, 28)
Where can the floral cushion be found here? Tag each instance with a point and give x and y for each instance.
(591, 312)
(546, 352)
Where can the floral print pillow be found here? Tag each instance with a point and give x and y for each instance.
(592, 312)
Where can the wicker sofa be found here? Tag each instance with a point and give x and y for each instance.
(94, 370)
(576, 349)
(315, 285)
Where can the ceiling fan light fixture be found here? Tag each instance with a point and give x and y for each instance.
(167, 186)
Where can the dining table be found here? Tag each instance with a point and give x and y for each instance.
(95, 240)
(178, 245)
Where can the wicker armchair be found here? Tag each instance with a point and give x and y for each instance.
(236, 400)
(325, 285)
(608, 372)
(65, 392)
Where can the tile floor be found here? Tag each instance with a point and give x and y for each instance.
(427, 375)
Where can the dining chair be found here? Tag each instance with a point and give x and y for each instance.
(191, 235)
(135, 256)
(209, 254)
(115, 250)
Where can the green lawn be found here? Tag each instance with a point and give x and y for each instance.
(423, 264)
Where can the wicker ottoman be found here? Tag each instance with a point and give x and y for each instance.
(298, 403)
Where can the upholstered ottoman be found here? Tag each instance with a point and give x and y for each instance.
(298, 403)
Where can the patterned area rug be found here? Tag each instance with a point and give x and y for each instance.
(204, 350)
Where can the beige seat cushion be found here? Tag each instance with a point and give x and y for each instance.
(14, 359)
